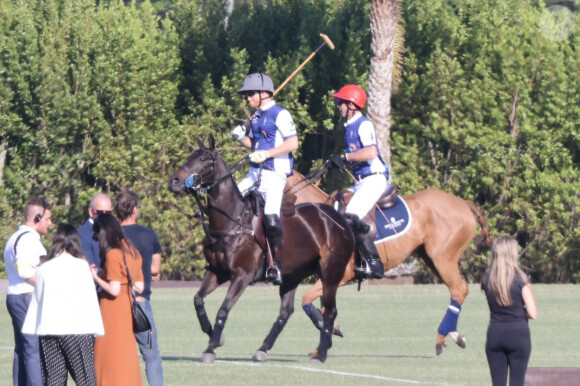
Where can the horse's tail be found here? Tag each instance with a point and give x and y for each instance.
(483, 223)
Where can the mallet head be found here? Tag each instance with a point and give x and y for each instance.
(327, 41)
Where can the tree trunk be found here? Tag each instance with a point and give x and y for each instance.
(3, 153)
(384, 18)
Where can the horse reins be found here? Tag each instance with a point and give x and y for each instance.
(194, 188)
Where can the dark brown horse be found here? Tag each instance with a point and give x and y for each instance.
(316, 240)
(442, 227)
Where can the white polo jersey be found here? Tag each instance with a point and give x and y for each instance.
(21, 263)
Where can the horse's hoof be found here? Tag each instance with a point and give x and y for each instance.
(260, 356)
(222, 340)
(208, 357)
(313, 353)
(337, 331)
(315, 361)
(440, 347)
(458, 338)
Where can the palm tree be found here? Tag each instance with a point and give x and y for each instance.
(387, 37)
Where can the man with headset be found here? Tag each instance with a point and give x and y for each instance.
(22, 255)
(272, 138)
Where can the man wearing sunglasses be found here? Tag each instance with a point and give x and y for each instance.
(370, 171)
(100, 203)
(272, 138)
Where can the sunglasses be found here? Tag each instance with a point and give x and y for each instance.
(251, 93)
(100, 212)
(340, 102)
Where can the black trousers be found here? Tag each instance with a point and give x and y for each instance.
(61, 354)
(508, 347)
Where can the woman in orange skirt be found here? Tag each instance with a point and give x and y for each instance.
(116, 360)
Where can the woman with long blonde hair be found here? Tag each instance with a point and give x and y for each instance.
(511, 303)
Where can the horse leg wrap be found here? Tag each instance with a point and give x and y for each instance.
(325, 343)
(202, 315)
(273, 335)
(220, 323)
(449, 322)
(314, 314)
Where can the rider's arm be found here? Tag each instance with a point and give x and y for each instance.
(364, 154)
(289, 145)
(247, 142)
(287, 129)
(368, 139)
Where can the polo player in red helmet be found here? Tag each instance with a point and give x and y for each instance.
(371, 173)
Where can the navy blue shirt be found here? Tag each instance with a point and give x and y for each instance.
(89, 244)
(513, 314)
(147, 243)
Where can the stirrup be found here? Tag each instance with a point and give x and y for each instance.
(367, 272)
(363, 269)
(273, 275)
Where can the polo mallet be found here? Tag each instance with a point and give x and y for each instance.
(327, 42)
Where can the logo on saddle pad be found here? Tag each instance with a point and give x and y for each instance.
(392, 222)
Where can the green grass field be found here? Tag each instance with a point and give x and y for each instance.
(389, 338)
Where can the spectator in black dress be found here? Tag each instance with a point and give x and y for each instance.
(511, 303)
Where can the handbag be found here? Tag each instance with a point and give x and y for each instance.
(140, 320)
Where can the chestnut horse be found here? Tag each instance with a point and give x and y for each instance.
(442, 227)
(317, 240)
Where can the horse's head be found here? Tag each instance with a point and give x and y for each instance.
(198, 171)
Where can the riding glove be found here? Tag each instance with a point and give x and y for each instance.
(259, 156)
(338, 161)
(239, 133)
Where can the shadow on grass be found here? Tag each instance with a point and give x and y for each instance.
(280, 358)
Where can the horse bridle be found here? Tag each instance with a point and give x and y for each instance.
(194, 181)
(191, 185)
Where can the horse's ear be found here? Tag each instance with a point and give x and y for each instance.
(199, 143)
(211, 142)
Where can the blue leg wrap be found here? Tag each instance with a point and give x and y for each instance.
(449, 322)
(314, 314)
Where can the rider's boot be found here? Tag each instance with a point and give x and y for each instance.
(366, 247)
(274, 234)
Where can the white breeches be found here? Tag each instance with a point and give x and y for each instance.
(366, 193)
(271, 187)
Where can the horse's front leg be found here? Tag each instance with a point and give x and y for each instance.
(313, 312)
(329, 315)
(287, 292)
(208, 285)
(235, 290)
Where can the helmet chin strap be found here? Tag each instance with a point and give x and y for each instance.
(349, 115)
(263, 99)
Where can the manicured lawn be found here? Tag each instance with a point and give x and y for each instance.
(389, 338)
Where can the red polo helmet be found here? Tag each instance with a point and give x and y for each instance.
(352, 93)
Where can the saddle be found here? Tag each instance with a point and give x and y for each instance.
(386, 201)
(287, 209)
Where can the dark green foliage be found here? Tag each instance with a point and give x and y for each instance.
(110, 95)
